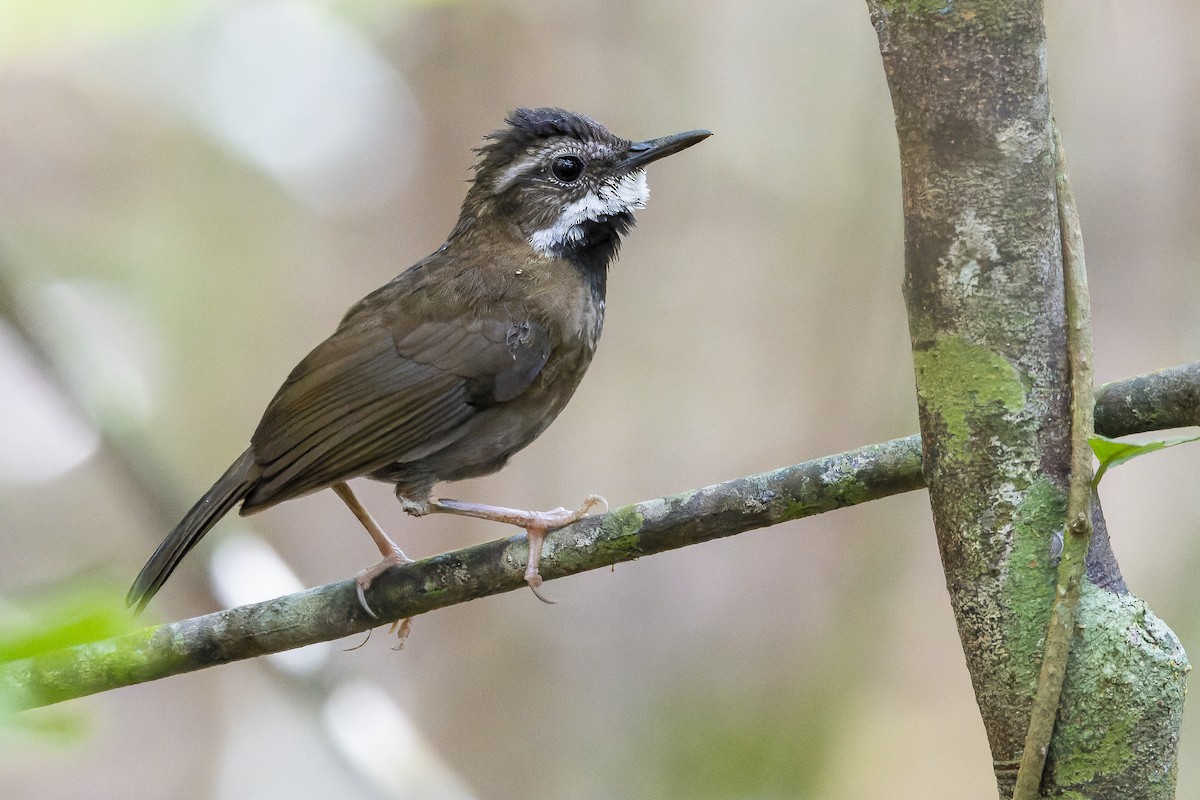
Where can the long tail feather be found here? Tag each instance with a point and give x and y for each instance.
(216, 503)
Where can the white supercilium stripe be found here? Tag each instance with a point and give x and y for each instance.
(505, 179)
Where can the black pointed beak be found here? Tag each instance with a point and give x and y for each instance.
(642, 153)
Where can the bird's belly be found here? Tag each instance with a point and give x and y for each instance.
(487, 441)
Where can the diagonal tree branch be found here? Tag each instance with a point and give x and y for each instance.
(332, 611)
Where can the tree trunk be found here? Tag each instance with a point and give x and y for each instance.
(984, 287)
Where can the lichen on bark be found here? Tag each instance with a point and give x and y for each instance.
(983, 283)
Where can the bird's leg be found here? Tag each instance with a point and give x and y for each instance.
(536, 524)
(393, 556)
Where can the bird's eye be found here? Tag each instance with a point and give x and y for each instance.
(567, 168)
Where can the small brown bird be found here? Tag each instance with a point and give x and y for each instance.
(461, 360)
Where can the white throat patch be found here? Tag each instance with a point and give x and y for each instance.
(628, 192)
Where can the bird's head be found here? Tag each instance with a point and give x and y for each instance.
(565, 182)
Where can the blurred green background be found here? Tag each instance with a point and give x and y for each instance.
(191, 194)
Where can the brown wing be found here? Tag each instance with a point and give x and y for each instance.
(371, 395)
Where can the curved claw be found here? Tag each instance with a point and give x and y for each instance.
(394, 558)
(360, 644)
(534, 588)
(362, 600)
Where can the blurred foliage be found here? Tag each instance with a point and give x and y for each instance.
(30, 25)
(748, 743)
(60, 616)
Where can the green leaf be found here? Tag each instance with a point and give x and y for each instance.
(1112, 452)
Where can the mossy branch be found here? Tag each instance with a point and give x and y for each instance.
(332, 611)
(1168, 398)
